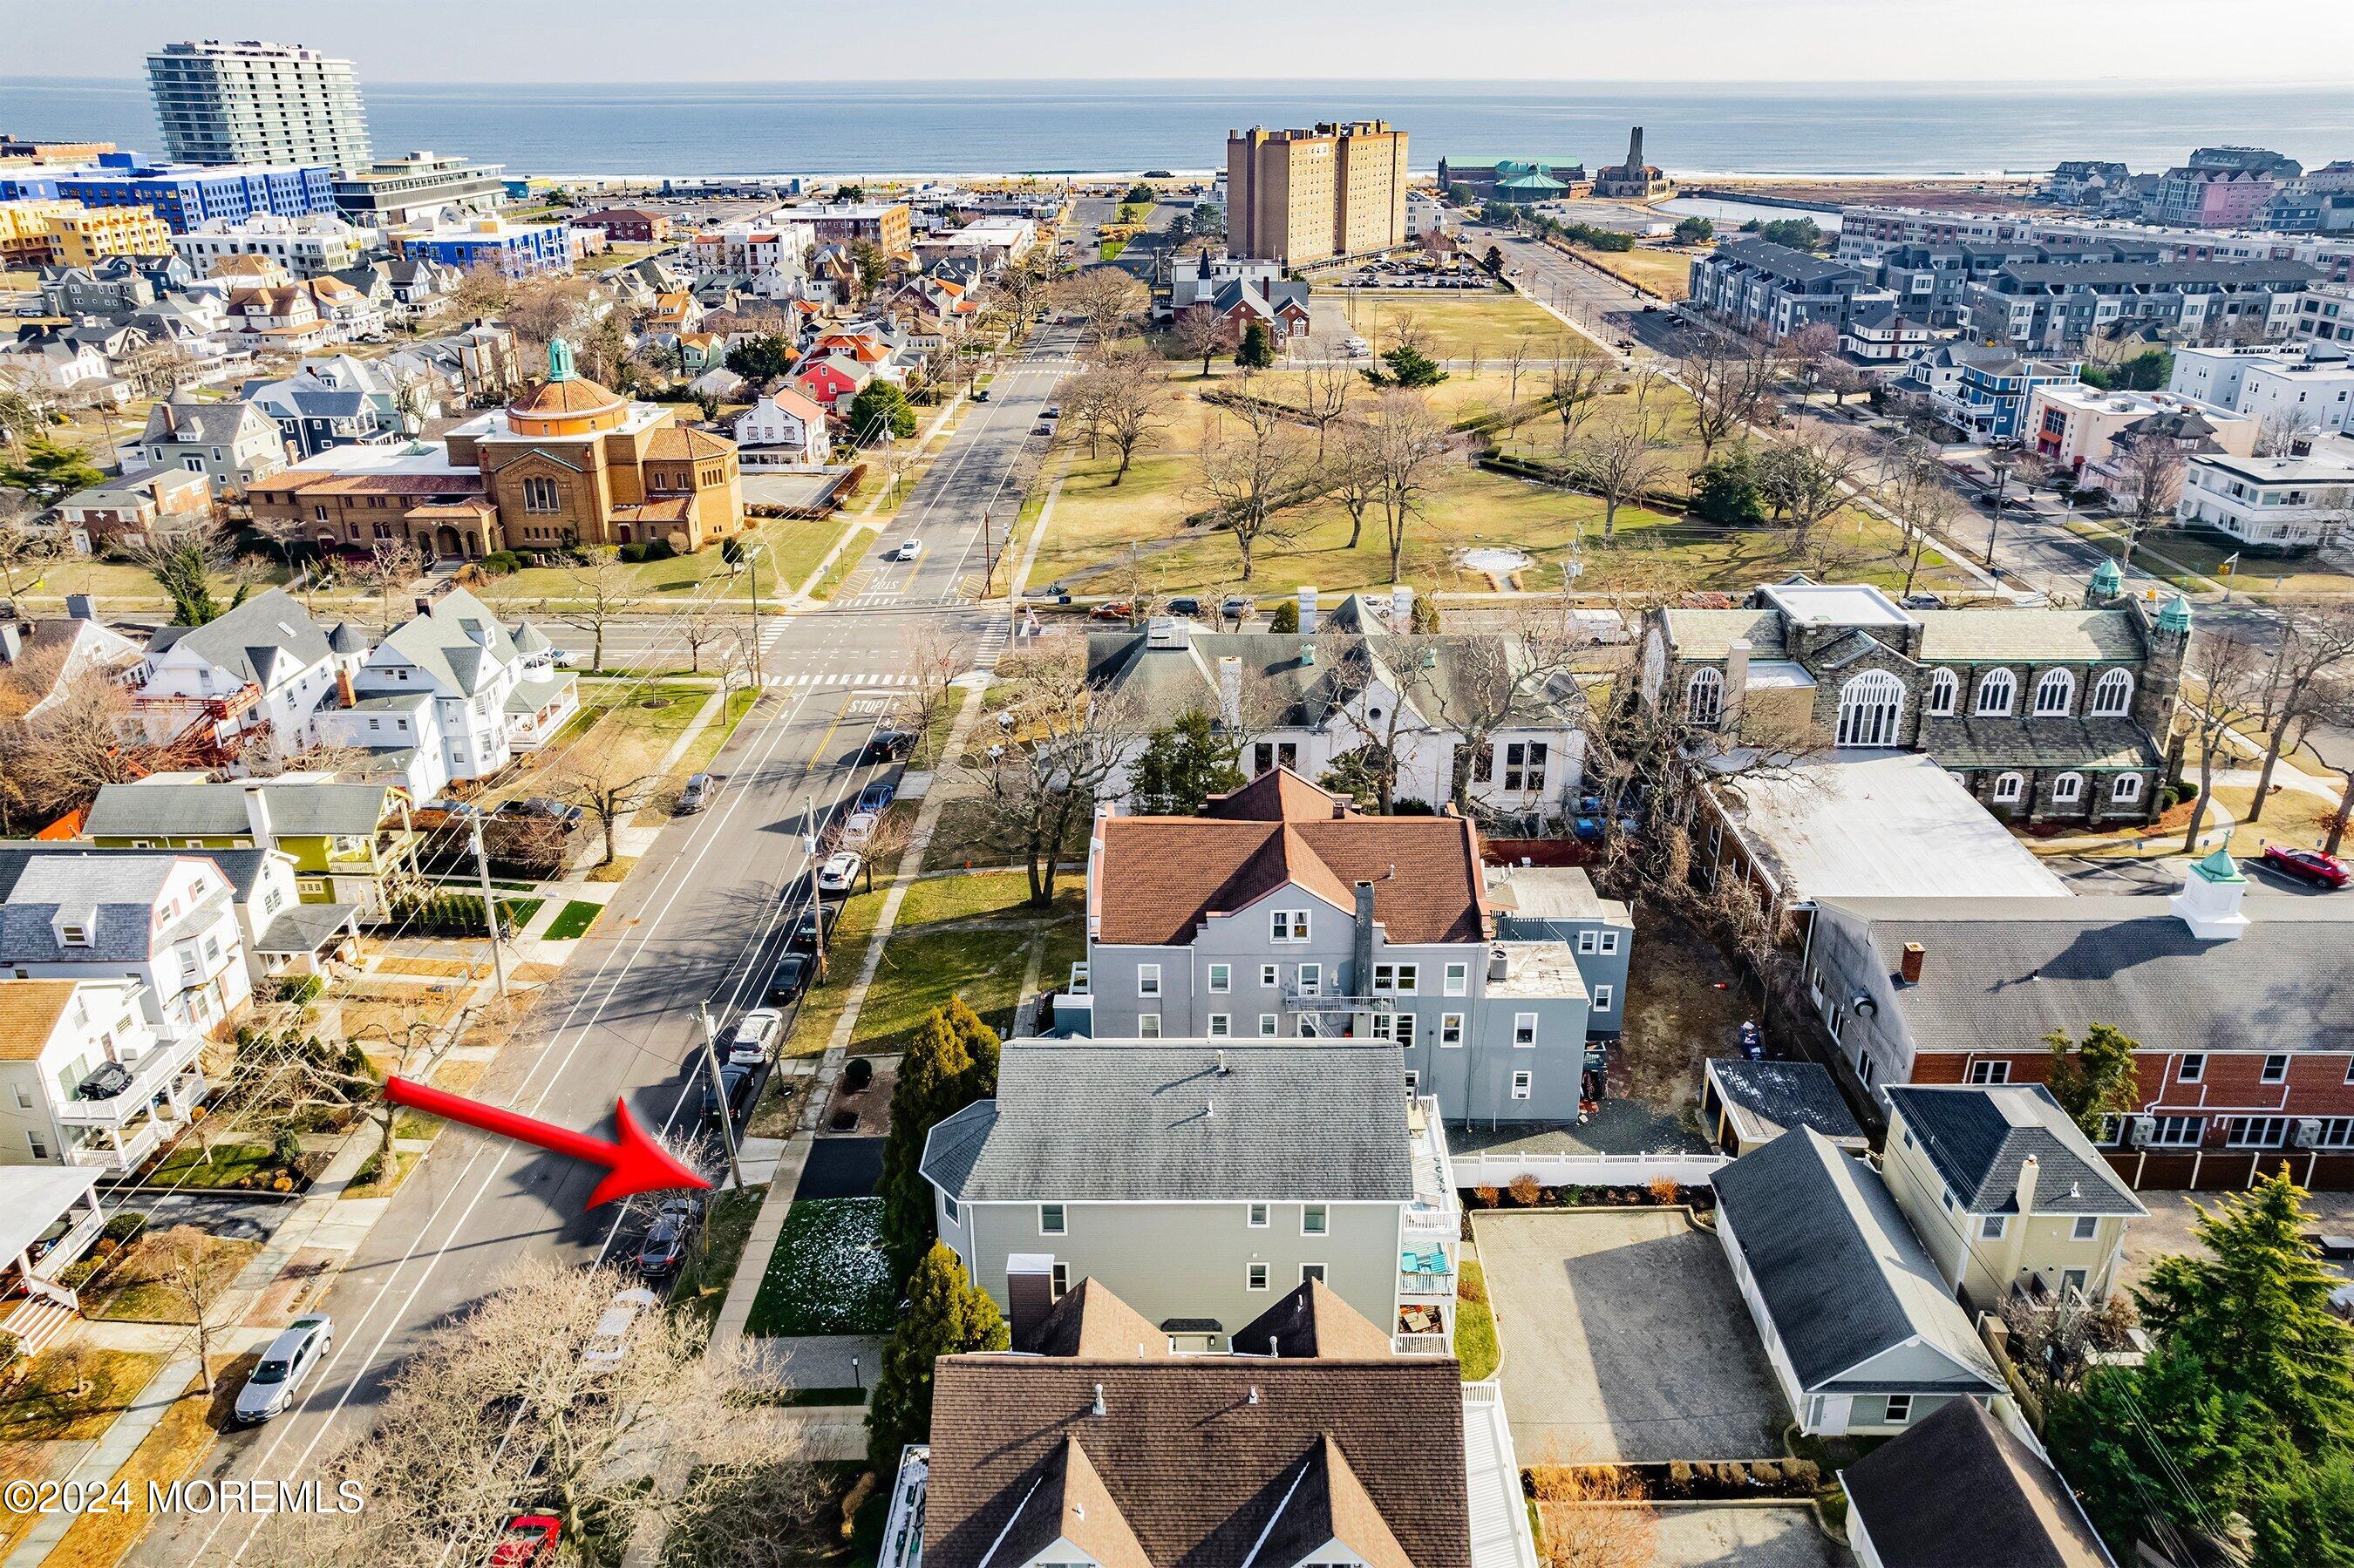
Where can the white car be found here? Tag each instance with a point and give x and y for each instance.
(839, 871)
(908, 550)
(562, 657)
(755, 1037)
(291, 1357)
(610, 1339)
(859, 827)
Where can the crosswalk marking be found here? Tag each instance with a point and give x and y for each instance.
(858, 678)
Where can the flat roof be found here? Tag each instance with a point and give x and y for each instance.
(2314, 468)
(32, 1197)
(1834, 604)
(1881, 824)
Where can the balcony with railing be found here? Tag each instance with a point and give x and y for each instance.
(1435, 1214)
(119, 1150)
(164, 1071)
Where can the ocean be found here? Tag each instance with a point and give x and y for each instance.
(1052, 127)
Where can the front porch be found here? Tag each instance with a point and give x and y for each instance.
(49, 1218)
(114, 1133)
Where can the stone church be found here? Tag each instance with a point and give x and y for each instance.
(2056, 715)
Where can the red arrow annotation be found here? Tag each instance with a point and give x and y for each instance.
(633, 1162)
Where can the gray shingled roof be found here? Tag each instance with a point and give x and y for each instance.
(1784, 1095)
(115, 898)
(352, 810)
(2058, 741)
(2100, 636)
(1710, 634)
(241, 866)
(2008, 972)
(201, 424)
(1782, 262)
(1978, 1138)
(442, 642)
(1146, 1122)
(1959, 1490)
(1841, 1272)
(271, 619)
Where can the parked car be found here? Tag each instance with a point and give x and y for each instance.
(889, 744)
(756, 1036)
(666, 1239)
(734, 1090)
(1117, 610)
(610, 1339)
(696, 793)
(528, 1541)
(1043, 429)
(562, 657)
(1235, 607)
(877, 796)
(1185, 605)
(840, 871)
(1923, 601)
(291, 1358)
(1054, 411)
(858, 828)
(541, 807)
(2305, 866)
(908, 550)
(980, 394)
(788, 980)
(810, 924)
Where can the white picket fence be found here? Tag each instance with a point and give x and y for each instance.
(1498, 1168)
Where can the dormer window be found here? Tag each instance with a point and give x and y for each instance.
(72, 934)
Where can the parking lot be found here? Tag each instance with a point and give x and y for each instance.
(1624, 1340)
(1742, 1536)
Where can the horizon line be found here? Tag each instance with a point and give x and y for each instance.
(2187, 83)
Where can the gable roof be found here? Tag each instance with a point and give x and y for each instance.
(299, 808)
(2017, 969)
(1311, 1320)
(1959, 1489)
(114, 899)
(240, 641)
(1158, 1122)
(242, 867)
(1089, 1320)
(203, 424)
(457, 643)
(1280, 795)
(1768, 1099)
(1840, 1271)
(1979, 1136)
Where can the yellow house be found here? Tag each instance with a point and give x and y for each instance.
(2006, 1191)
(350, 844)
(97, 232)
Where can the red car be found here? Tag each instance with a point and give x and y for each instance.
(530, 1539)
(1117, 610)
(2306, 865)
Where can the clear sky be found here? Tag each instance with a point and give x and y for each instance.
(1548, 40)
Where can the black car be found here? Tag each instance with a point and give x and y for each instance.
(110, 1080)
(735, 1084)
(788, 980)
(542, 807)
(1184, 605)
(804, 937)
(890, 745)
(664, 1247)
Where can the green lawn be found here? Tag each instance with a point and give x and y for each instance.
(187, 1166)
(828, 1273)
(129, 1291)
(791, 549)
(637, 723)
(573, 920)
(1452, 324)
(1475, 1325)
(369, 1182)
(2164, 550)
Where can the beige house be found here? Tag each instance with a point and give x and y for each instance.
(2006, 1191)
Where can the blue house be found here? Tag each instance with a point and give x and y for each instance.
(517, 250)
(184, 195)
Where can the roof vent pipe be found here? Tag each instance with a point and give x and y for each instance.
(1099, 1402)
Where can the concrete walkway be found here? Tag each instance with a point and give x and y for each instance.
(770, 1223)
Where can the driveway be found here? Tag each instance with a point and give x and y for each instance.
(1624, 1340)
(2173, 1227)
(1739, 1536)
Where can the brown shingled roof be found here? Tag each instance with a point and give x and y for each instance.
(1089, 1320)
(1162, 876)
(1311, 1321)
(1280, 795)
(29, 1010)
(676, 443)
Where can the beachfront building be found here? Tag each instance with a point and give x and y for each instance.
(182, 194)
(413, 187)
(1298, 197)
(256, 102)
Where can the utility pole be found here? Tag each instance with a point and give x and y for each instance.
(817, 895)
(490, 908)
(719, 1095)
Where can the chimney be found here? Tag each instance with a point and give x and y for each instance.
(1307, 610)
(2028, 1173)
(424, 605)
(257, 814)
(1736, 675)
(1908, 968)
(1401, 608)
(2210, 900)
(12, 642)
(343, 687)
(1364, 948)
(1230, 693)
(81, 606)
(1029, 1294)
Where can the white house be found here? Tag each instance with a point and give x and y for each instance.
(784, 429)
(56, 364)
(59, 1102)
(2301, 388)
(2271, 503)
(166, 921)
(306, 247)
(257, 675)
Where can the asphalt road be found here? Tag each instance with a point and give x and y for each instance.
(699, 920)
(1610, 310)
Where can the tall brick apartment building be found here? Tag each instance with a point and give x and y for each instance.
(1298, 197)
(568, 463)
(2240, 1009)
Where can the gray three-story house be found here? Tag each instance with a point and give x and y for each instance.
(1283, 913)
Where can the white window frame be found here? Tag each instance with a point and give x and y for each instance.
(1221, 979)
(1456, 981)
(2165, 1135)
(1589, 942)
(2067, 788)
(1315, 1219)
(1058, 1281)
(1397, 979)
(1524, 1031)
(1610, 944)
(1524, 1085)
(1989, 1072)
(1255, 1277)
(1311, 979)
(1148, 979)
(2126, 791)
(1062, 1217)
(1269, 1026)
(1991, 1227)
(948, 1203)
(1271, 975)
(2112, 694)
(2276, 1069)
(2087, 1227)
(1287, 925)
(1898, 1411)
(1945, 692)
(2055, 694)
(1997, 683)
(1309, 1271)
(1258, 1216)
(2009, 788)
(1601, 999)
(1704, 697)
(1450, 1031)
(1221, 1026)
(2192, 1068)
(1147, 1026)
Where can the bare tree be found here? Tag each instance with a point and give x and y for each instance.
(1059, 744)
(21, 549)
(1410, 449)
(1325, 384)
(1104, 297)
(1200, 332)
(1518, 674)
(1406, 331)
(481, 291)
(608, 785)
(937, 659)
(670, 1435)
(1256, 466)
(2282, 431)
(1351, 474)
(600, 587)
(386, 569)
(2148, 480)
(1625, 455)
(184, 1262)
(2228, 677)
(1575, 383)
(1811, 349)
(1516, 360)
(2316, 642)
(1120, 400)
(56, 761)
(1729, 382)
(1807, 476)
(706, 623)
